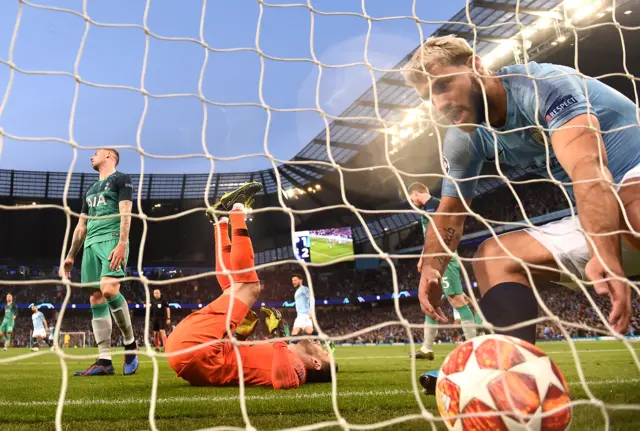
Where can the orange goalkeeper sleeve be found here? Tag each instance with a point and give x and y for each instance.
(287, 371)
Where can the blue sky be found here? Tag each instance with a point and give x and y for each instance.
(40, 106)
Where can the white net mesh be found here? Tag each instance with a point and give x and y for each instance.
(561, 22)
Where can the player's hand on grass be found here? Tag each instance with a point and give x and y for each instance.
(618, 291)
(117, 256)
(430, 293)
(65, 269)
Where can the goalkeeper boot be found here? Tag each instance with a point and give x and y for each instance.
(428, 382)
(131, 362)
(101, 367)
(243, 194)
(247, 326)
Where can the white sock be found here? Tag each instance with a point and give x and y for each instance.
(429, 339)
(120, 310)
(102, 333)
(238, 206)
(223, 220)
(469, 332)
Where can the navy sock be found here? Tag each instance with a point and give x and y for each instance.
(506, 304)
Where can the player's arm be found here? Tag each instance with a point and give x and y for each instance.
(283, 372)
(580, 150)
(444, 232)
(435, 259)
(79, 234)
(449, 227)
(125, 206)
(307, 293)
(577, 143)
(168, 312)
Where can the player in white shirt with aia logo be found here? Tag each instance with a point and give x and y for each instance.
(40, 328)
(303, 321)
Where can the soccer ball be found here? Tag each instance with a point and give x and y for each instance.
(506, 383)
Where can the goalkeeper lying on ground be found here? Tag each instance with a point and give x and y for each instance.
(285, 366)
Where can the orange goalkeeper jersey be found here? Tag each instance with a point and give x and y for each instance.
(217, 365)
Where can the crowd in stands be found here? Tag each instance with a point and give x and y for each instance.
(341, 232)
(337, 281)
(571, 306)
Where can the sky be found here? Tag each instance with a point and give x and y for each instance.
(40, 106)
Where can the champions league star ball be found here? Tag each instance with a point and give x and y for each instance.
(505, 383)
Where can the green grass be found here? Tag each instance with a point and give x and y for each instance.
(322, 252)
(374, 385)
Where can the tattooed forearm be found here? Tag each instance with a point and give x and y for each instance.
(79, 234)
(451, 236)
(125, 220)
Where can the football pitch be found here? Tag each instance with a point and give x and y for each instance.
(321, 250)
(374, 385)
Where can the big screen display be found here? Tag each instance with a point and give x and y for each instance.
(323, 245)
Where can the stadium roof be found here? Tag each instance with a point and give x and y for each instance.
(542, 28)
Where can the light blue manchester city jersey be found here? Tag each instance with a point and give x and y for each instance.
(38, 321)
(303, 300)
(562, 97)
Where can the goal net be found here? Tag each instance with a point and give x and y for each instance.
(73, 340)
(190, 96)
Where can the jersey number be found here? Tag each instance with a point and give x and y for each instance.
(445, 283)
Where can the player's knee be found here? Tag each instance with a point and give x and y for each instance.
(255, 288)
(491, 257)
(96, 298)
(489, 249)
(457, 301)
(109, 288)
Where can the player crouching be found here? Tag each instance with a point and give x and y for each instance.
(281, 365)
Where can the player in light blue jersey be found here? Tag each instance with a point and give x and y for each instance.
(40, 328)
(303, 323)
(589, 132)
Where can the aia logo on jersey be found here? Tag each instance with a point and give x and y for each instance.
(96, 200)
(559, 106)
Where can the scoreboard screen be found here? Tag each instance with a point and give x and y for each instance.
(323, 245)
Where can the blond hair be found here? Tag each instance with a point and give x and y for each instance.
(445, 51)
(418, 188)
